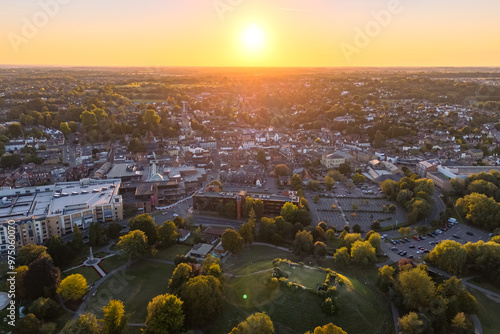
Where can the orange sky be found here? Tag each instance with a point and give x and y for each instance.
(211, 32)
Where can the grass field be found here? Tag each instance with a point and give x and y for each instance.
(112, 262)
(88, 272)
(170, 252)
(307, 277)
(488, 311)
(136, 287)
(362, 307)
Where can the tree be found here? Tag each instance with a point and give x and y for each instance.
(28, 324)
(330, 237)
(329, 182)
(20, 274)
(31, 252)
(328, 329)
(319, 250)
(216, 183)
(15, 130)
(356, 228)
(77, 241)
(133, 245)
(247, 230)
(459, 322)
(146, 224)
(232, 241)
(405, 231)
(281, 170)
(136, 145)
(303, 243)
(73, 287)
(114, 320)
(44, 308)
(289, 212)
(344, 168)
(480, 210)
(255, 323)
(358, 178)
(41, 279)
(167, 233)
(296, 182)
(450, 256)
(165, 315)
(203, 299)
(87, 323)
(113, 230)
(410, 324)
(88, 118)
(349, 239)
(97, 236)
(151, 118)
(416, 288)
(392, 208)
(386, 276)
(58, 250)
(374, 240)
(211, 266)
(92, 234)
(458, 299)
(182, 273)
(342, 256)
(64, 128)
(363, 252)
(261, 156)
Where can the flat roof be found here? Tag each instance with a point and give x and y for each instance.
(60, 198)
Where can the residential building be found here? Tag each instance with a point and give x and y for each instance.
(41, 212)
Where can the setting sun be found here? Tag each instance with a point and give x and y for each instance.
(253, 38)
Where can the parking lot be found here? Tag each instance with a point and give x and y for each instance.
(369, 203)
(417, 249)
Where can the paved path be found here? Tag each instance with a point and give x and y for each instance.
(395, 317)
(244, 275)
(160, 261)
(83, 305)
(273, 246)
(465, 281)
(477, 324)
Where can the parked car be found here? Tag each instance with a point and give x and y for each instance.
(469, 233)
(456, 236)
(411, 246)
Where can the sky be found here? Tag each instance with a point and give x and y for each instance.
(290, 33)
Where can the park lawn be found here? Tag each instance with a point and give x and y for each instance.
(310, 278)
(62, 320)
(88, 272)
(112, 262)
(136, 287)
(363, 308)
(171, 252)
(487, 311)
(243, 262)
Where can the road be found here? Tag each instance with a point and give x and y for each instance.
(438, 207)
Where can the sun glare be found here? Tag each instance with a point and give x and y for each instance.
(253, 38)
